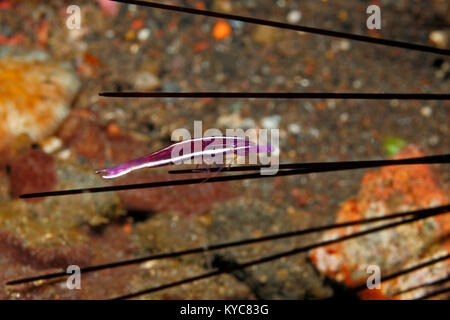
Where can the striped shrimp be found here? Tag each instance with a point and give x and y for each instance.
(197, 149)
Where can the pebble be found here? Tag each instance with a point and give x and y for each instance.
(344, 117)
(110, 34)
(344, 45)
(265, 35)
(232, 120)
(64, 154)
(331, 104)
(394, 103)
(294, 16)
(248, 123)
(433, 140)
(134, 48)
(357, 84)
(271, 122)
(426, 111)
(51, 144)
(47, 89)
(314, 132)
(294, 128)
(146, 81)
(304, 82)
(238, 25)
(143, 34)
(439, 38)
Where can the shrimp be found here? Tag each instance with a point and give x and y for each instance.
(176, 153)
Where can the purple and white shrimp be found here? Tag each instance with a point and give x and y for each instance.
(197, 148)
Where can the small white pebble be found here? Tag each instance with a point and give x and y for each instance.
(344, 45)
(143, 34)
(426, 111)
(272, 122)
(344, 117)
(110, 34)
(51, 144)
(304, 83)
(248, 123)
(64, 154)
(134, 48)
(148, 264)
(146, 81)
(331, 104)
(314, 132)
(281, 3)
(357, 84)
(294, 16)
(433, 140)
(294, 128)
(394, 103)
(439, 38)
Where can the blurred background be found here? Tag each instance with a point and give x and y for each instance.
(56, 131)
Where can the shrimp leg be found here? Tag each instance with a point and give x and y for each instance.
(222, 167)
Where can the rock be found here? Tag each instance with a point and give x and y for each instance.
(48, 233)
(65, 211)
(295, 128)
(35, 97)
(171, 232)
(288, 278)
(33, 171)
(383, 192)
(413, 285)
(146, 81)
(272, 122)
(232, 120)
(439, 38)
(160, 272)
(143, 34)
(266, 35)
(294, 16)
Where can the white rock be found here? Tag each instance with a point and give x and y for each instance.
(146, 81)
(294, 128)
(294, 16)
(143, 34)
(439, 38)
(272, 122)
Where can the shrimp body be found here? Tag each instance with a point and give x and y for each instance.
(176, 153)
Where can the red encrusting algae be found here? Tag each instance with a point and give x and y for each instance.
(32, 171)
(383, 192)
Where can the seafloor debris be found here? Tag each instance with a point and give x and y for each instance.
(34, 97)
(107, 244)
(171, 232)
(86, 138)
(160, 272)
(32, 171)
(288, 278)
(114, 46)
(415, 284)
(383, 192)
(48, 233)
